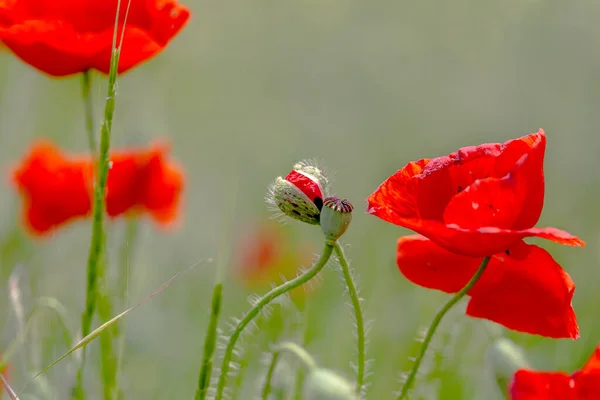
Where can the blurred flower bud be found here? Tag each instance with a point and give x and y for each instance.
(300, 194)
(335, 217)
(505, 358)
(324, 384)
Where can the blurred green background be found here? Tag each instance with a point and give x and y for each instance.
(250, 87)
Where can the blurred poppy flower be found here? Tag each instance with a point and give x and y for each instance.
(534, 385)
(482, 201)
(267, 255)
(64, 37)
(477, 201)
(57, 187)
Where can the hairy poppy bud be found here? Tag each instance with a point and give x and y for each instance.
(300, 194)
(335, 217)
(324, 384)
(505, 358)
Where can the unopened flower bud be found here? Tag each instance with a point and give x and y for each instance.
(505, 358)
(324, 384)
(335, 217)
(300, 194)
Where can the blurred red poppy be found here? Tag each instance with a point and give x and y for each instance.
(478, 201)
(482, 201)
(57, 187)
(582, 385)
(266, 255)
(64, 37)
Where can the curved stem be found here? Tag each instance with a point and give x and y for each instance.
(294, 349)
(360, 320)
(86, 92)
(436, 322)
(267, 387)
(262, 302)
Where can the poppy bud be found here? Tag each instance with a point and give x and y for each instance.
(300, 194)
(505, 358)
(324, 384)
(335, 217)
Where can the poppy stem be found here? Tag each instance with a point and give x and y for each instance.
(358, 315)
(436, 322)
(96, 259)
(302, 355)
(86, 92)
(260, 304)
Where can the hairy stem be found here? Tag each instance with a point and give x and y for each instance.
(358, 314)
(436, 322)
(86, 92)
(262, 302)
(95, 265)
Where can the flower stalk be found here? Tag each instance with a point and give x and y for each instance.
(436, 322)
(261, 303)
(96, 260)
(358, 314)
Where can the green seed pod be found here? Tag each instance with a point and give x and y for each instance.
(300, 194)
(324, 384)
(336, 215)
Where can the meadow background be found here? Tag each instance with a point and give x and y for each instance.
(250, 87)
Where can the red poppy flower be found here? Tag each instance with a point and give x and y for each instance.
(58, 187)
(478, 201)
(582, 385)
(523, 288)
(64, 37)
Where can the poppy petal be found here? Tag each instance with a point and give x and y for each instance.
(448, 199)
(164, 188)
(534, 385)
(60, 38)
(484, 241)
(528, 173)
(428, 265)
(525, 290)
(586, 385)
(55, 188)
(593, 364)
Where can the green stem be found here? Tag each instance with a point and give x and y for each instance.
(95, 265)
(210, 343)
(300, 375)
(358, 314)
(436, 322)
(267, 388)
(302, 355)
(262, 302)
(86, 92)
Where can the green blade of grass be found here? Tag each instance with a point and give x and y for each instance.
(99, 330)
